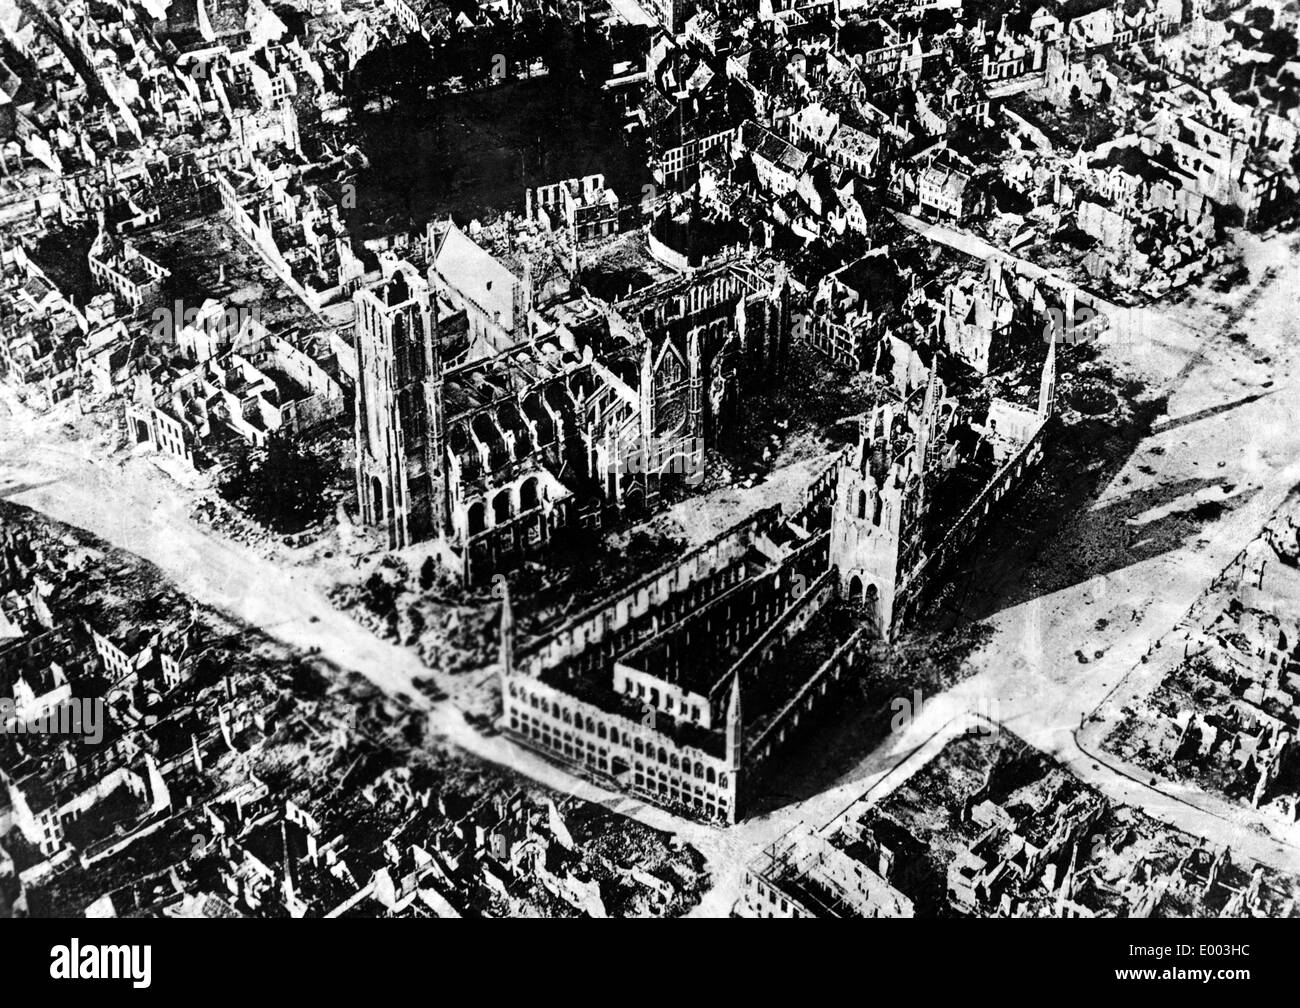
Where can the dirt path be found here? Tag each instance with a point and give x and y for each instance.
(1098, 599)
(1111, 601)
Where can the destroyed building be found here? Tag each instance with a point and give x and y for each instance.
(563, 415)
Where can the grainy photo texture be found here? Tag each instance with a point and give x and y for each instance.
(649, 458)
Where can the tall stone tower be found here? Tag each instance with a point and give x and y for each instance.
(507, 629)
(1047, 383)
(735, 750)
(695, 411)
(400, 476)
(734, 725)
(875, 522)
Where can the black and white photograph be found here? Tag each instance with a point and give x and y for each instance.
(650, 459)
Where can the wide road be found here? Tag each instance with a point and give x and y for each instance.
(127, 501)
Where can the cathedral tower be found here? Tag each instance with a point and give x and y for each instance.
(875, 521)
(399, 418)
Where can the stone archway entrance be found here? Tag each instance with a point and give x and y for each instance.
(871, 606)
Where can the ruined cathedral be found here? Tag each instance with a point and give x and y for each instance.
(486, 423)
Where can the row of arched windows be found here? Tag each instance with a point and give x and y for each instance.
(505, 505)
(660, 754)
